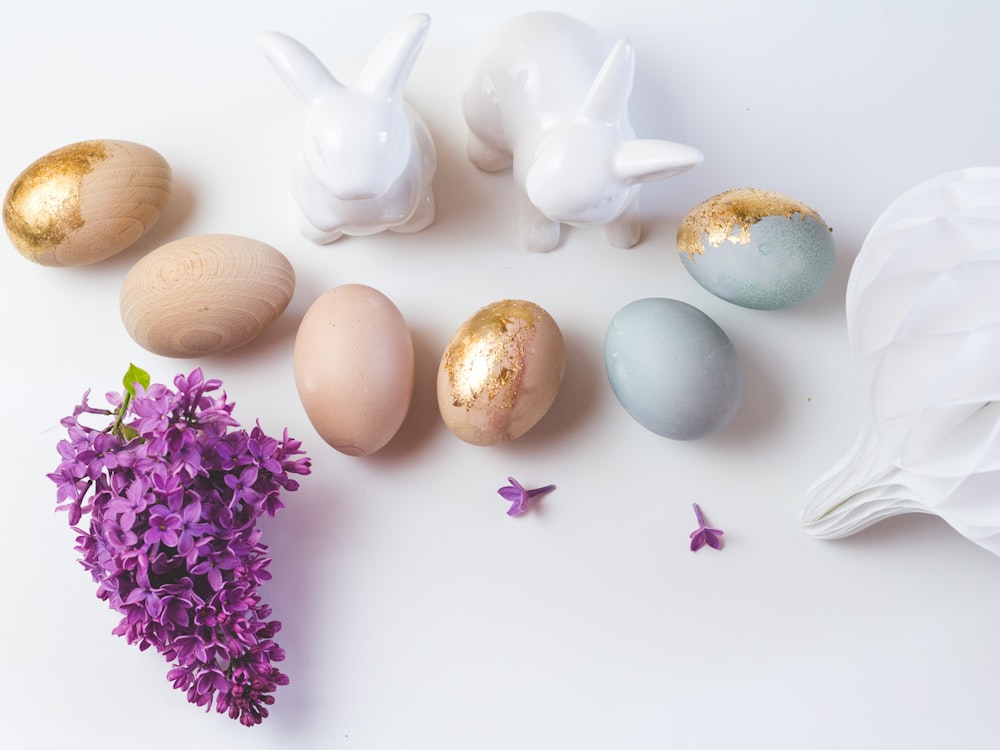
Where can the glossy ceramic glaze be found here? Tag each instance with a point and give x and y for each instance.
(549, 96)
(367, 158)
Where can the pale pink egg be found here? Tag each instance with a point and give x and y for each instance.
(354, 368)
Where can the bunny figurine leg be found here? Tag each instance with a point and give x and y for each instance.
(539, 233)
(624, 231)
(486, 157)
(486, 147)
(422, 217)
(314, 213)
(311, 233)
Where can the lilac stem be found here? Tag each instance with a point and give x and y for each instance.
(540, 491)
(697, 514)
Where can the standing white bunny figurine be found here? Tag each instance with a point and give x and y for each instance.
(367, 158)
(549, 96)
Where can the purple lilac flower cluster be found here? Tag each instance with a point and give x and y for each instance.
(173, 488)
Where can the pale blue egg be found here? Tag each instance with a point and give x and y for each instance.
(673, 368)
(757, 248)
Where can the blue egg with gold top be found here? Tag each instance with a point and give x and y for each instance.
(673, 368)
(757, 248)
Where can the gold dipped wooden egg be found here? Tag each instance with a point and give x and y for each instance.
(86, 202)
(205, 294)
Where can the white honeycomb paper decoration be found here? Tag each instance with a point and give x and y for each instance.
(923, 319)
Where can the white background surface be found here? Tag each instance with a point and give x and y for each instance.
(416, 613)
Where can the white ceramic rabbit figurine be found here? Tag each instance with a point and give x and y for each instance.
(549, 96)
(367, 158)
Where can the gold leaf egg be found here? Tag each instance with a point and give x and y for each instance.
(85, 202)
(205, 294)
(757, 248)
(501, 372)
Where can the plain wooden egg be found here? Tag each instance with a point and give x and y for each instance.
(501, 372)
(205, 294)
(354, 368)
(86, 202)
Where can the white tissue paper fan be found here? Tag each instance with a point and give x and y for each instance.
(923, 319)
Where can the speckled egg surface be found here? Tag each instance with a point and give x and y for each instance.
(501, 372)
(673, 368)
(757, 248)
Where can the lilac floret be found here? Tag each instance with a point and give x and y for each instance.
(521, 499)
(704, 534)
(165, 501)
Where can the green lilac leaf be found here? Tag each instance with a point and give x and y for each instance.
(133, 376)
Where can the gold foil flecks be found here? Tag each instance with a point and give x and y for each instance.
(42, 205)
(486, 355)
(730, 215)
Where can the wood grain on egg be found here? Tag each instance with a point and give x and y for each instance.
(205, 294)
(86, 202)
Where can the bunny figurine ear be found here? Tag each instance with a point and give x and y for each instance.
(644, 160)
(299, 68)
(389, 65)
(608, 97)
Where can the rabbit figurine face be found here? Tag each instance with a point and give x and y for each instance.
(359, 158)
(367, 158)
(549, 97)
